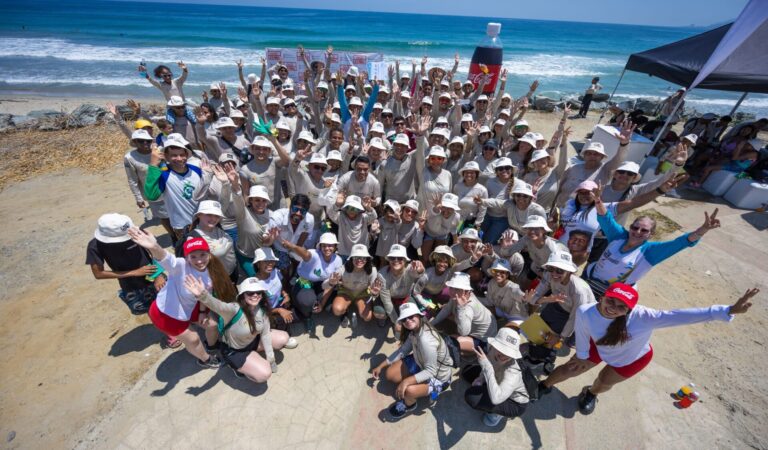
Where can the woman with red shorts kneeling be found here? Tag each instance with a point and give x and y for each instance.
(618, 331)
(175, 307)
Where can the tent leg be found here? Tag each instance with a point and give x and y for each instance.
(602, 114)
(738, 103)
(663, 130)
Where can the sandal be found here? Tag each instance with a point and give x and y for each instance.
(172, 342)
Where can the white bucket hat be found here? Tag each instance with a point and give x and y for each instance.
(355, 101)
(501, 264)
(333, 155)
(402, 139)
(470, 233)
(176, 140)
(224, 122)
(252, 284)
(467, 118)
(482, 98)
(393, 205)
(529, 139)
(398, 251)
(141, 135)
(387, 110)
(523, 188)
(259, 191)
(459, 280)
(318, 158)
(629, 166)
(562, 260)
(692, 138)
(456, 140)
(503, 162)
(175, 100)
(426, 101)
(359, 251)
(327, 239)
(273, 101)
(354, 201)
(307, 136)
(469, 165)
(537, 222)
(378, 143)
(377, 127)
(442, 120)
(378, 106)
(288, 87)
(484, 129)
(236, 114)
(442, 250)
(450, 201)
(215, 86)
(521, 123)
(261, 141)
(228, 157)
(539, 154)
(405, 94)
(209, 207)
(322, 85)
(413, 204)
(595, 147)
(407, 310)
(438, 151)
(501, 122)
(353, 71)
(112, 228)
(282, 124)
(264, 254)
(335, 118)
(506, 112)
(507, 342)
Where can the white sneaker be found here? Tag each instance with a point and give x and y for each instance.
(491, 420)
(291, 344)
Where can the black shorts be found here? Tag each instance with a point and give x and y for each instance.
(235, 358)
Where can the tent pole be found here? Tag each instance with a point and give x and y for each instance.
(602, 114)
(666, 123)
(738, 103)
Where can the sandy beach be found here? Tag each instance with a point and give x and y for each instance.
(79, 371)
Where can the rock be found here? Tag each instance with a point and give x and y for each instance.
(24, 122)
(544, 103)
(6, 123)
(86, 114)
(46, 114)
(648, 105)
(51, 124)
(125, 112)
(601, 97)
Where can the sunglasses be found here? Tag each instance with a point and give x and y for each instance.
(178, 107)
(489, 149)
(298, 209)
(166, 75)
(504, 169)
(638, 229)
(555, 270)
(142, 142)
(252, 293)
(399, 124)
(387, 116)
(359, 259)
(520, 196)
(624, 172)
(410, 318)
(396, 259)
(317, 167)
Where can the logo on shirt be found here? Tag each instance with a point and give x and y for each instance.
(187, 190)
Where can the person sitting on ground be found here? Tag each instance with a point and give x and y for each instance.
(504, 296)
(311, 290)
(357, 285)
(353, 218)
(497, 387)
(176, 308)
(741, 160)
(538, 246)
(474, 322)
(397, 279)
(244, 328)
(278, 302)
(422, 366)
(618, 331)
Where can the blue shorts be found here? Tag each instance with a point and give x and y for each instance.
(411, 365)
(428, 237)
(478, 343)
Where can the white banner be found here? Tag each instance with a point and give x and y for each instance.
(339, 60)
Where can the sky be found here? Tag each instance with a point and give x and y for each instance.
(676, 13)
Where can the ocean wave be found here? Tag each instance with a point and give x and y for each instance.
(113, 81)
(61, 49)
(423, 43)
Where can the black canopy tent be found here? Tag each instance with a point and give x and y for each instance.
(745, 70)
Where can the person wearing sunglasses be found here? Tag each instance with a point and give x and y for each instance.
(295, 225)
(168, 85)
(422, 366)
(399, 170)
(496, 221)
(356, 286)
(487, 155)
(353, 217)
(618, 331)
(630, 254)
(308, 178)
(518, 209)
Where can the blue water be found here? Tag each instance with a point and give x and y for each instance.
(90, 48)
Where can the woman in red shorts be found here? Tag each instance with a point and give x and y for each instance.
(175, 307)
(618, 331)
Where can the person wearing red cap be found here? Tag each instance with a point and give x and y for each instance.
(618, 331)
(176, 307)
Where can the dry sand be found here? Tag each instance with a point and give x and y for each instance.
(72, 350)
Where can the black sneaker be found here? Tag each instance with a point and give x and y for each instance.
(344, 321)
(400, 409)
(587, 401)
(213, 362)
(543, 389)
(237, 373)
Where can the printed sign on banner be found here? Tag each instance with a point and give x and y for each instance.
(339, 60)
(378, 70)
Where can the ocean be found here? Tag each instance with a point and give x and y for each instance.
(92, 48)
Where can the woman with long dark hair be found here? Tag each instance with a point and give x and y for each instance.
(618, 331)
(422, 365)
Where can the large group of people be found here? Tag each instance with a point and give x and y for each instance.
(414, 202)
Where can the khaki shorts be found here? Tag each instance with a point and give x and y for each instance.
(352, 296)
(158, 210)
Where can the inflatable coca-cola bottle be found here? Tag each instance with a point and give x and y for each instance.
(486, 61)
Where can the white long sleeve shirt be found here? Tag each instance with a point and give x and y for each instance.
(590, 324)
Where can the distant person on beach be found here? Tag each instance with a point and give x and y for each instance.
(618, 331)
(593, 89)
(168, 85)
(667, 106)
